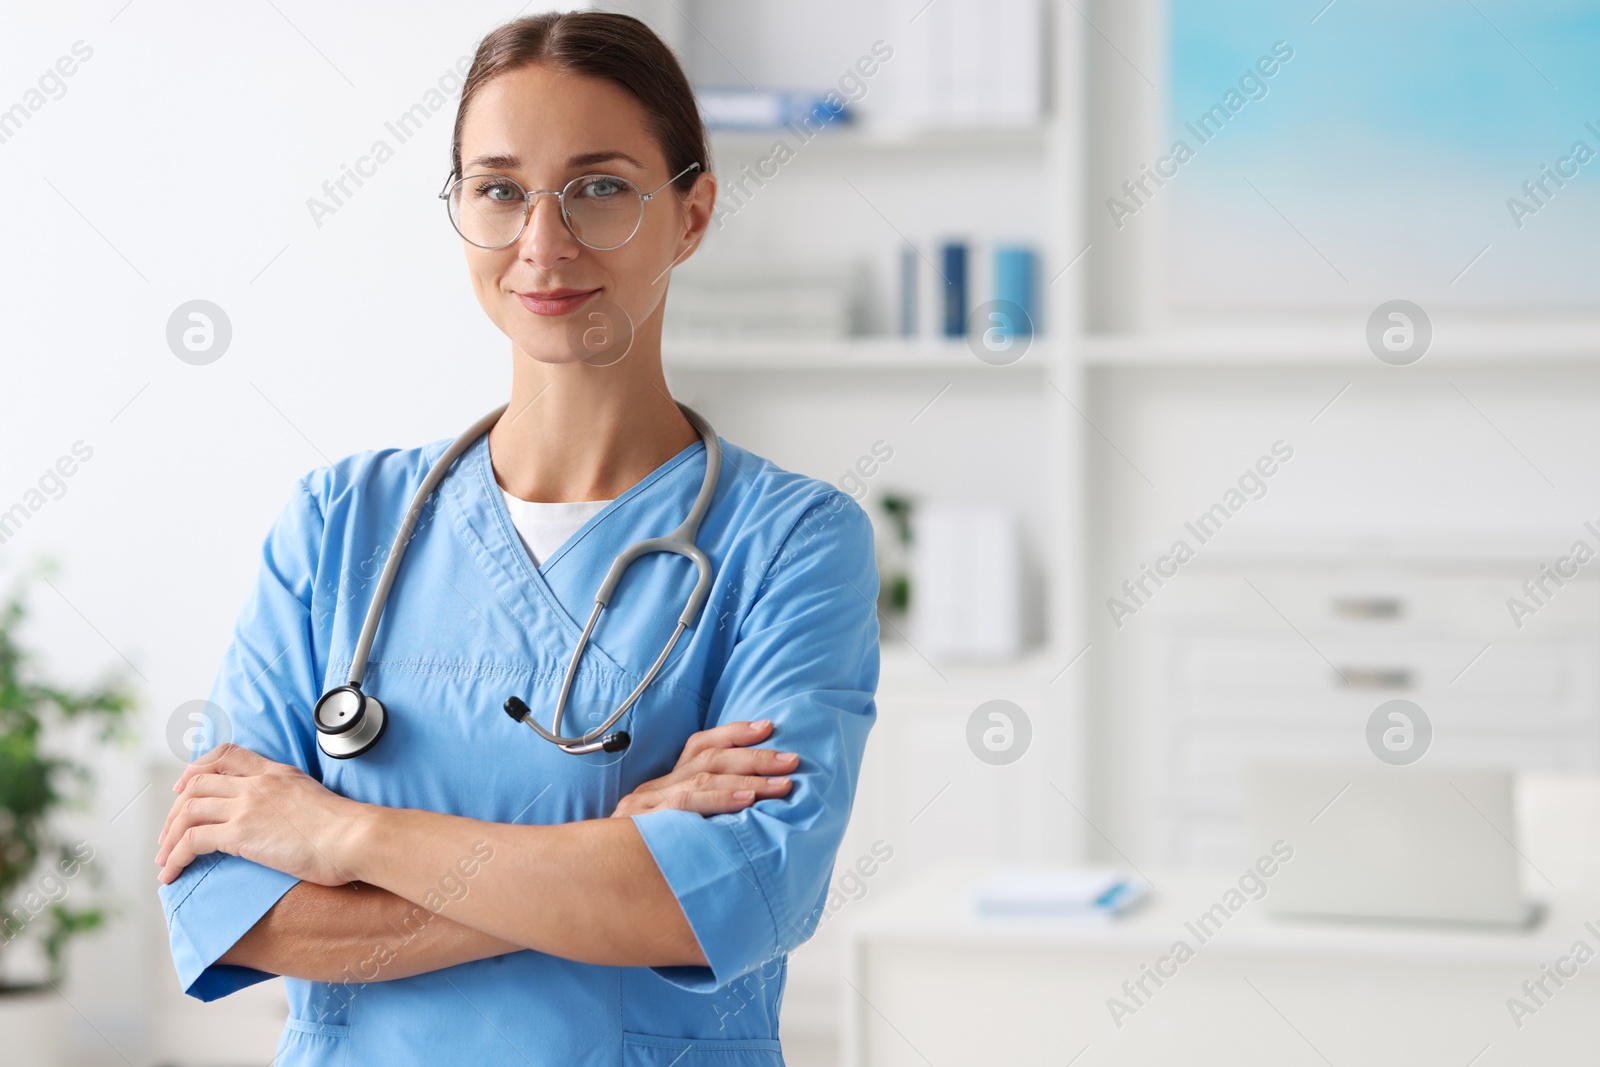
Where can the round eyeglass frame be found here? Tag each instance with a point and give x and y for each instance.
(561, 199)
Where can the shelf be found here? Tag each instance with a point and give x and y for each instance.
(857, 139)
(850, 353)
(1487, 343)
(1341, 343)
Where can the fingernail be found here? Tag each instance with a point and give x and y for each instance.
(787, 756)
(759, 725)
(778, 781)
(744, 794)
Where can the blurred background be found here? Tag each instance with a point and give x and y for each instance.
(1223, 379)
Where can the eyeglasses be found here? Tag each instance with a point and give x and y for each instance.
(603, 211)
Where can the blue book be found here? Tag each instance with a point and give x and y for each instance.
(908, 292)
(953, 265)
(742, 108)
(1016, 276)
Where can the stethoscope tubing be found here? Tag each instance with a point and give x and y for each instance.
(680, 541)
(391, 566)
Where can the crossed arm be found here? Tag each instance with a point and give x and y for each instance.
(588, 891)
(325, 933)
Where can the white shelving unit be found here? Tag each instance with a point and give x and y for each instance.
(1335, 341)
(815, 406)
(930, 355)
(1458, 456)
(906, 142)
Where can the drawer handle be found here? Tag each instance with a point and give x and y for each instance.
(1368, 607)
(1376, 677)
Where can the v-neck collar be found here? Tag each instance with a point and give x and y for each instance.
(540, 521)
(485, 523)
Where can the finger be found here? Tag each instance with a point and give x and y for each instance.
(196, 842)
(708, 783)
(714, 801)
(632, 804)
(226, 758)
(762, 761)
(201, 785)
(188, 813)
(728, 735)
(759, 761)
(763, 786)
(760, 787)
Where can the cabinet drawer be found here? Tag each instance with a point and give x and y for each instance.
(1257, 679)
(1327, 601)
(1278, 657)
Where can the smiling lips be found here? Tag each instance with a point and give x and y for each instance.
(555, 301)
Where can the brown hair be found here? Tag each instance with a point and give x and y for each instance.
(617, 48)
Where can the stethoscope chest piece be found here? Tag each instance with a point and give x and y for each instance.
(348, 721)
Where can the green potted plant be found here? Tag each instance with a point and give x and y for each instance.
(43, 875)
(894, 586)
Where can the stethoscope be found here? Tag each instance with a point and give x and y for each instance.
(350, 721)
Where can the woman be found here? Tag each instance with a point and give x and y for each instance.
(463, 891)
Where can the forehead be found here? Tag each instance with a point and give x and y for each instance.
(545, 117)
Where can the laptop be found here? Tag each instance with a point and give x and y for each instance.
(1376, 842)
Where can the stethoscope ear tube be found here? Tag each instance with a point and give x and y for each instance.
(612, 742)
(680, 542)
(397, 551)
(365, 722)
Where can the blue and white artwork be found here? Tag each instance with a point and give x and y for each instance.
(1319, 155)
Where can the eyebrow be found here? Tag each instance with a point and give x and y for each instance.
(586, 159)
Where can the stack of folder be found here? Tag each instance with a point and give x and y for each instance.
(1093, 893)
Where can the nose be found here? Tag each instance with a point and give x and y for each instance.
(545, 239)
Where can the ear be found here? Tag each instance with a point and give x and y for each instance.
(697, 213)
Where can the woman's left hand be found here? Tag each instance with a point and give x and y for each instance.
(236, 801)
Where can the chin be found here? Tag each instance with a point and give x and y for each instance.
(545, 340)
(553, 354)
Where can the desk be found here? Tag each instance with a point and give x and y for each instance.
(929, 982)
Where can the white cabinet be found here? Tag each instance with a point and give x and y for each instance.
(930, 982)
(1254, 658)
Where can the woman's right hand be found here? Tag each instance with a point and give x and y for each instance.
(717, 774)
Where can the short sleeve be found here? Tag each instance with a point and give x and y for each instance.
(752, 883)
(265, 688)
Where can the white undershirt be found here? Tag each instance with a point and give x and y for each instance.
(545, 527)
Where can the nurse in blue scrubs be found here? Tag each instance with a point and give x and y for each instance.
(464, 891)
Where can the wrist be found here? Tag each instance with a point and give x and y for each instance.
(362, 842)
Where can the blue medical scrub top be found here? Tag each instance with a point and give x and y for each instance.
(789, 633)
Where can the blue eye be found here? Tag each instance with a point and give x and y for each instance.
(604, 188)
(500, 191)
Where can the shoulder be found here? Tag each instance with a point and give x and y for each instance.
(368, 477)
(790, 510)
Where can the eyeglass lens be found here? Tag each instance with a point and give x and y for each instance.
(602, 211)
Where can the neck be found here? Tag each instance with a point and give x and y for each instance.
(579, 432)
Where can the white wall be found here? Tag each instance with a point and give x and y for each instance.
(177, 165)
